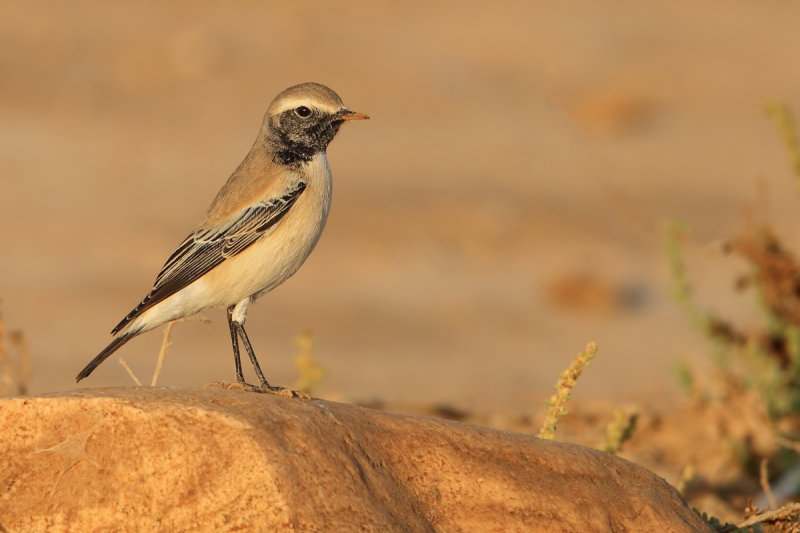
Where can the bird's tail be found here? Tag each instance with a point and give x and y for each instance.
(102, 356)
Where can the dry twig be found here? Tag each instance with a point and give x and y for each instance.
(763, 478)
(24, 367)
(162, 353)
(130, 372)
(786, 443)
(785, 513)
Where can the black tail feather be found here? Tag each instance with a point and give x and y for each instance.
(102, 356)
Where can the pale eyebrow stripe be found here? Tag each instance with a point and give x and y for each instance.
(297, 102)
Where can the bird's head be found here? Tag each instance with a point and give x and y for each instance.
(302, 120)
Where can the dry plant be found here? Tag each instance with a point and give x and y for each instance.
(753, 394)
(166, 342)
(566, 382)
(309, 373)
(784, 520)
(687, 475)
(5, 363)
(619, 430)
(787, 125)
(24, 372)
(130, 372)
(14, 377)
(755, 382)
(763, 479)
(162, 352)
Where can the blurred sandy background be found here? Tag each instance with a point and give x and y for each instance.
(502, 207)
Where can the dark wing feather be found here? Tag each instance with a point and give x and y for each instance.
(208, 247)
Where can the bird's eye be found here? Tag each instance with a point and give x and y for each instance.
(303, 112)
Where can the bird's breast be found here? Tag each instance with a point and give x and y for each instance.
(276, 256)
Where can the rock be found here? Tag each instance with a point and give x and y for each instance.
(224, 460)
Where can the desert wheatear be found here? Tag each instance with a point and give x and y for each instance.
(260, 228)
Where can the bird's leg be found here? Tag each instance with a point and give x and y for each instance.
(237, 314)
(235, 342)
(256, 367)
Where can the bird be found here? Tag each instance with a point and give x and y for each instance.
(259, 229)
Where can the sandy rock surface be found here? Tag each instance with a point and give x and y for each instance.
(222, 460)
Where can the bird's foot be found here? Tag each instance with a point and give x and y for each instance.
(281, 391)
(264, 389)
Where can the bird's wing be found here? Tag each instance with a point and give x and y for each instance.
(208, 247)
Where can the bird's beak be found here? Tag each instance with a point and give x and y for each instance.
(352, 115)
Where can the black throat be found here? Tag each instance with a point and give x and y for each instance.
(292, 156)
(295, 142)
